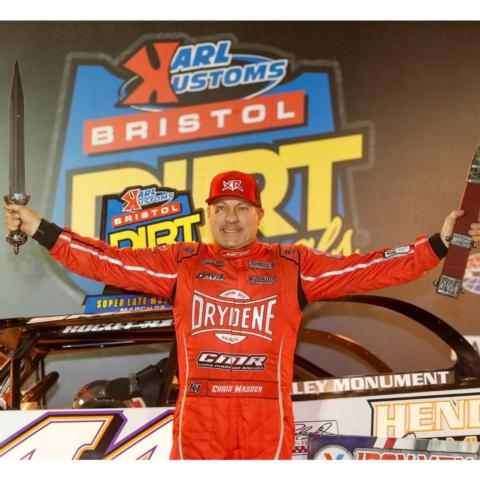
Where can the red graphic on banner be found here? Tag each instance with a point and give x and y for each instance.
(155, 87)
(193, 123)
(131, 200)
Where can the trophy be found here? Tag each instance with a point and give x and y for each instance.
(16, 191)
(460, 243)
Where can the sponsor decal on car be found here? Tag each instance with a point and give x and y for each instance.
(347, 447)
(425, 417)
(124, 303)
(117, 327)
(97, 435)
(372, 382)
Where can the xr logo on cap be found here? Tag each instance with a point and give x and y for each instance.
(232, 185)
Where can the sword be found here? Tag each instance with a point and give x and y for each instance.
(16, 187)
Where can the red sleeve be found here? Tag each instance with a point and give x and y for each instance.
(151, 271)
(325, 276)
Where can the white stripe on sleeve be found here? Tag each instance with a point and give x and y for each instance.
(106, 258)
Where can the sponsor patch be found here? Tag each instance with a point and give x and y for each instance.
(261, 265)
(234, 388)
(210, 276)
(316, 251)
(212, 261)
(394, 252)
(240, 253)
(230, 338)
(263, 280)
(195, 387)
(232, 316)
(228, 361)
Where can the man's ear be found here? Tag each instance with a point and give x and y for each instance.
(261, 213)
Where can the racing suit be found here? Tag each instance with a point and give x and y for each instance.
(236, 314)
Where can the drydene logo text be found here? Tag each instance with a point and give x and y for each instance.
(232, 317)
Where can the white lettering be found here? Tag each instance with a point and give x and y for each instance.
(281, 113)
(254, 317)
(209, 313)
(188, 123)
(341, 384)
(220, 115)
(245, 317)
(270, 316)
(254, 114)
(234, 317)
(372, 382)
(197, 310)
(222, 312)
(417, 378)
(136, 129)
(403, 380)
(162, 131)
(102, 135)
(257, 320)
(222, 388)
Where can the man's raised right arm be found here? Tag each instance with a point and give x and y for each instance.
(147, 270)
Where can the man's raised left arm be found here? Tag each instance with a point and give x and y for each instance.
(326, 276)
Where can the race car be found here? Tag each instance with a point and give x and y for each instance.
(131, 416)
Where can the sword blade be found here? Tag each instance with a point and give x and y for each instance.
(17, 142)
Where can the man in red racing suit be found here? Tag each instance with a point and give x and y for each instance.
(237, 308)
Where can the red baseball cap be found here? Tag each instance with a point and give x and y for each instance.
(235, 184)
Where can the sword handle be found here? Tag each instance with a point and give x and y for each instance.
(16, 238)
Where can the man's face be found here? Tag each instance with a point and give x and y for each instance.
(234, 222)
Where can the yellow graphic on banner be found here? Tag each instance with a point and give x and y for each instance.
(317, 157)
(146, 236)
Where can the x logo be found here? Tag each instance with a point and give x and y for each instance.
(131, 200)
(232, 185)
